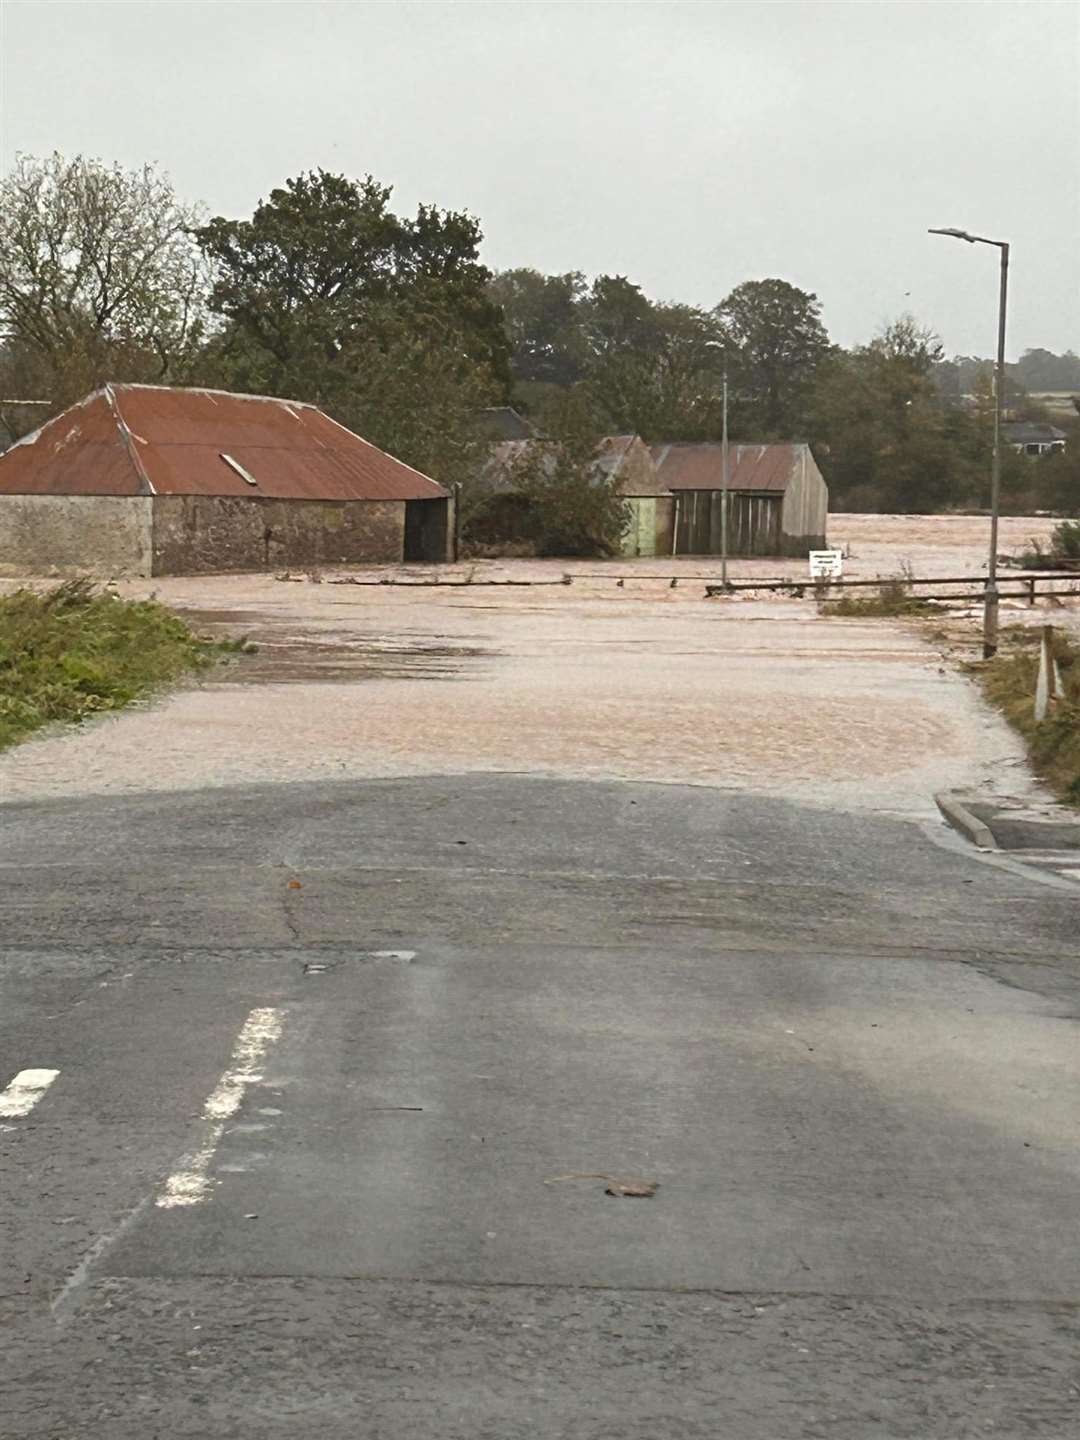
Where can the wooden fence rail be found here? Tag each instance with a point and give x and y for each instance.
(1029, 581)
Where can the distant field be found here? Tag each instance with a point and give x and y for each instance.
(1058, 402)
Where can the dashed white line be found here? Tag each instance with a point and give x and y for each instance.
(24, 1092)
(190, 1181)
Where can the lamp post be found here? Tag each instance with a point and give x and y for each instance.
(724, 493)
(990, 607)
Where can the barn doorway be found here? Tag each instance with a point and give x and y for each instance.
(427, 531)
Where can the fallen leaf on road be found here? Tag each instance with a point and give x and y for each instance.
(295, 885)
(627, 1189)
(632, 1189)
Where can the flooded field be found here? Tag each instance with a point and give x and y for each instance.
(617, 674)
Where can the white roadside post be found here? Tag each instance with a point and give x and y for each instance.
(1048, 685)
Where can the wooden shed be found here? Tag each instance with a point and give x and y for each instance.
(623, 460)
(627, 460)
(778, 502)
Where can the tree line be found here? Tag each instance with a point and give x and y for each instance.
(394, 325)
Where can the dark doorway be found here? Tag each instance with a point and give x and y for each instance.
(427, 530)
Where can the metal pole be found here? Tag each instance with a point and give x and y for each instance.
(724, 493)
(990, 610)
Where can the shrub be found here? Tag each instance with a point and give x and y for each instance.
(1064, 547)
(893, 596)
(73, 652)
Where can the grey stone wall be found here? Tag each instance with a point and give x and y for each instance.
(100, 535)
(203, 534)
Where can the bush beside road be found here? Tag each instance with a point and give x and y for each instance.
(72, 652)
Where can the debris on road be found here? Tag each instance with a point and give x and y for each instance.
(626, 1189)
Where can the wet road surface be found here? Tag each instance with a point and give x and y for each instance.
(315, 1051)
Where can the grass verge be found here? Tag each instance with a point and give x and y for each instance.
(1009, 681)
(892, 597)
(74, 651)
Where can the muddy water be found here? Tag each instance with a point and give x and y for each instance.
(637, 680)
(287, 654)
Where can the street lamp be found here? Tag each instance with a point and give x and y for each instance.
(724, 477)
(990, 608)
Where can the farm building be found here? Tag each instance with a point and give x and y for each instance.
(778, 502)
(623, 459)
(1029, 438)
(141, 479)
(628, 460)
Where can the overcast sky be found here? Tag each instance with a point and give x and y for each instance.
(688, 146)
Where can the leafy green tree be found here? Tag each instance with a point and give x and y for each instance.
(885, 438)
(574, 505)
(328, 296)
(669, 387)
(100, 279)
(542, 315)
(325, 256)
(555, 497)
(777, 342)
(1055, 478)
(616, 317)
(1043, 370)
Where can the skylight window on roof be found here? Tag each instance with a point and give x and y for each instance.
(235, 465)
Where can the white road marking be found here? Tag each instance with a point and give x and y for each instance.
(24, 1092)
(190, 1181)
(1070, 871)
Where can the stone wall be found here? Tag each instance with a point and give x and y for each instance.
(100, 535)
(203, 534)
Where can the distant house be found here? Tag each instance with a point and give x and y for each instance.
(142, 479)
(1031, 438)
(778, 502)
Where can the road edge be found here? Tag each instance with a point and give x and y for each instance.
(960, 818)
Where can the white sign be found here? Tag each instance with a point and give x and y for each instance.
(826, 564)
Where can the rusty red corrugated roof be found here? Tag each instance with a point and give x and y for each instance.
(687, 466)
(151, 440)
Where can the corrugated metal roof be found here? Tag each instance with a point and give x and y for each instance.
(684, 466)
(149, 440)
(1030, 432)
(622, 458)
(628, 460)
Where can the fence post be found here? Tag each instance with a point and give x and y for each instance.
(1048, 685)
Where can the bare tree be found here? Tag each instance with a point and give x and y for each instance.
(100, 277)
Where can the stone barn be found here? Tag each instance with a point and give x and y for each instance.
(145, 480)
(778, 502)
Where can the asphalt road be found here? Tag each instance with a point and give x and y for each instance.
(318, 1048)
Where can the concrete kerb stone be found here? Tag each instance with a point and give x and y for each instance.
(960, 818)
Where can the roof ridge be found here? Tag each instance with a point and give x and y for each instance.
(129, 443)
(211, 390)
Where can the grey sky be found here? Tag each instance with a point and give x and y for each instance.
(689, 146)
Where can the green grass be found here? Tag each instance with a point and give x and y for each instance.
(1009, 681)
(73, 652)
(1062, 551)
(892, 597)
